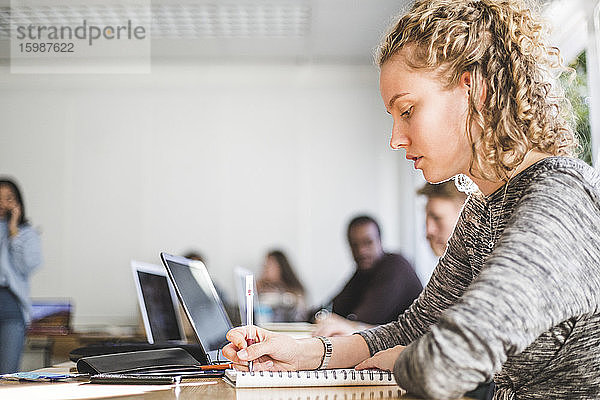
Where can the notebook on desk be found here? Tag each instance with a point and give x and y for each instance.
(332, 377)
(322, 393)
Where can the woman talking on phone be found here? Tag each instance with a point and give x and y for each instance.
(20, 254)
(471, 87)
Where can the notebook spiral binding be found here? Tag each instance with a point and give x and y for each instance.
(353, 374)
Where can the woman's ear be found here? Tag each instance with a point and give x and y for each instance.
(466, 82)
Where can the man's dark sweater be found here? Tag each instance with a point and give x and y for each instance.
(380, 294)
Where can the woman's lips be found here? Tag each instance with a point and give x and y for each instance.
(415, 159)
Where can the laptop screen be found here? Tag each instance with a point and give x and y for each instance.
(200, 300)
(158, 303)
(159, 306)
(50, 317)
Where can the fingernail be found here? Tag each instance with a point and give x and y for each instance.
(242, 354)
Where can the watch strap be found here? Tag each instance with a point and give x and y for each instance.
(327, 351)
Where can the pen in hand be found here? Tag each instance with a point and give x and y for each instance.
(249, 309)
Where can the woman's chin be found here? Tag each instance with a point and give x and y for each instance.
(435, 177)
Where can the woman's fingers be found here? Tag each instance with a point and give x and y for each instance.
(262, 366)
(230, 352)
(255, 351)
(239, 336)
(240, 367)
(246, 345)
(384, 359)
(367, 364)
(266, 350)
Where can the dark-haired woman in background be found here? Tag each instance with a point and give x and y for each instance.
(280, 290)
(20, 254)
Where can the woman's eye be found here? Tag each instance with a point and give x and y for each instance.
(407, 113)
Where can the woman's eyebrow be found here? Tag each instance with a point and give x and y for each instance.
(394, 98)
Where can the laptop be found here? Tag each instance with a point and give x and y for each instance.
(160, 313)
(200, 301)
(158, 303)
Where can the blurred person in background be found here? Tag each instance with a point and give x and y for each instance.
(444, 204)
(383, 286)
(280, 290)
(20, 255)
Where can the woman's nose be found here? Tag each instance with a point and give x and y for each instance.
(399, 139)
(430, 227)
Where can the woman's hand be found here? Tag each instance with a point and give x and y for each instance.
(384, 359)
(270, 351)
(13, 222)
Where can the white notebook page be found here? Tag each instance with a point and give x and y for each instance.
(331, 377)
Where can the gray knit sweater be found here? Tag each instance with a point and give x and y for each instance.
(516, 296)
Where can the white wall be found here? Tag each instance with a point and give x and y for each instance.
(231, 160)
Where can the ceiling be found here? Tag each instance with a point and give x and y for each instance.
(296, 31)
(286, 31)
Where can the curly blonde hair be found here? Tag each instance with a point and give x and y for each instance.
(502, 44)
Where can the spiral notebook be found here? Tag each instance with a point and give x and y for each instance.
(331, 377)
(387, 392)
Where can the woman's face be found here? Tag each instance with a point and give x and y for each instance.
(441, 215)
(429, 120)
(8, 200)
(271, 270)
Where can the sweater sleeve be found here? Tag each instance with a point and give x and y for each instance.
(25, 250)
(450, 278)
(543, 270)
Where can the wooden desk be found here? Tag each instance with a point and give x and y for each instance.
(208, 388)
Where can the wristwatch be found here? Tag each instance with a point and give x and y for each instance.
(328, 349)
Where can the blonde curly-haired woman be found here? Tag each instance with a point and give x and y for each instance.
(516, 297)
